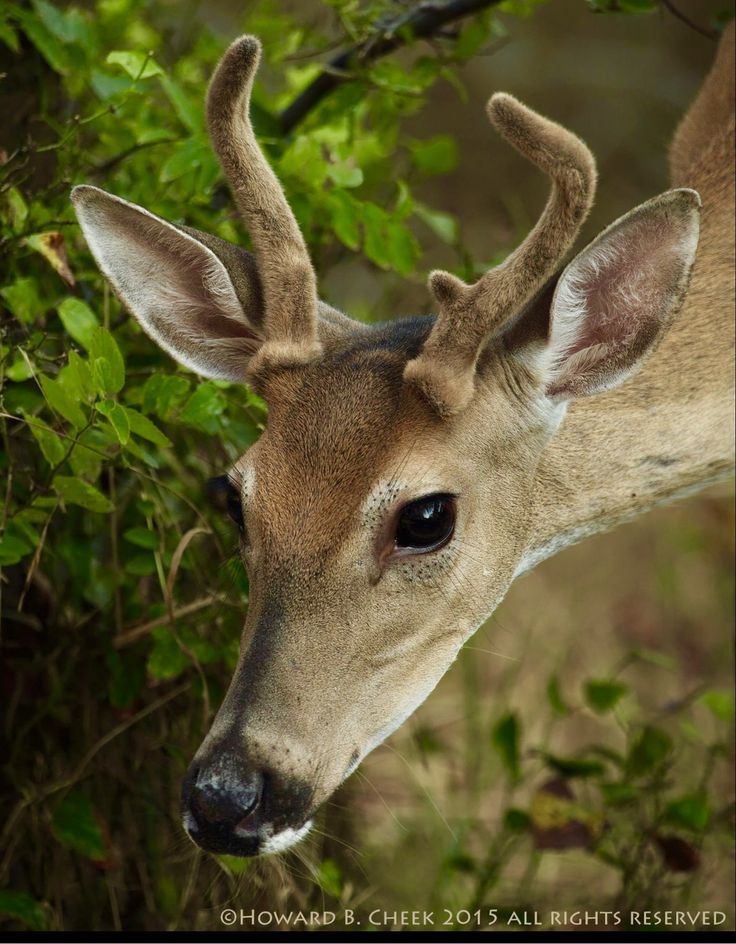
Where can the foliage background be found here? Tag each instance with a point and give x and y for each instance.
(593, 712)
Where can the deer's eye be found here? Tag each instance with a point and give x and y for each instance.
(426, 524)
(225, 497)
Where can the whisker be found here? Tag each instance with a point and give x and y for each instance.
(398, 822)
(424, 790)
(492, 652)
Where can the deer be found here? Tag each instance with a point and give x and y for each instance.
(411, 469)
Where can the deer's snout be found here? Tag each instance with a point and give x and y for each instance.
(231, 805)
(222, 804)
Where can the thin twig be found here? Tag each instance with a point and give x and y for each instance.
(704, 31)
(100, 170)
(137, 632)
(169, 592)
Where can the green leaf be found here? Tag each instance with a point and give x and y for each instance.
(203, 408)
(163, 393)
(436, 155)
(143, 537)
(52, 50)
(304, 160)
(20, 369)
(617, 794)
(329, 877)
(108, 368)
(60, 401)
(76, 378)
(691, 811)
(516, 820)
(442, 224)
(472, 36)
(52, 246)
(75, 491)
(51, 445)
(185, 158)
(603, 694)
(138, 65)
(189, 110)
(655, 658)
(8, 35)
(345, 215)
(117, 417)
(70, 25)
(22, 907)
(374, 224)
(13, 548)
(94, 446)
(106, 86)
(403, 249)
(405, 202)
(505, 738)
(554, 697)
(345, 176)
(75, 826)
(79, 320)
(140, 565)
(460, 860)
(166, 660)
(22, 299)
(719, 703)
(17, 209)
(143, 427)
(235, 864)
(649, 750)
(574, 766)
(85, 462)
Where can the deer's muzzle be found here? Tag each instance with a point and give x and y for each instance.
(232, 806)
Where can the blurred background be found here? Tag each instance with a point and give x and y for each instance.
(580, 752)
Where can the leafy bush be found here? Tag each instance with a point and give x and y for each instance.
(122, 600)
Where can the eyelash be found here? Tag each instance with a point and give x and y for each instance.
(224, 496)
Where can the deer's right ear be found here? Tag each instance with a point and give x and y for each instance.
(198, 297)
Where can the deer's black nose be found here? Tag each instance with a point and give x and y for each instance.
(222, 801)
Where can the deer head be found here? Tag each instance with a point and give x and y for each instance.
(384, 512)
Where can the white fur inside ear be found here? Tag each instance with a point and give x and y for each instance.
(176, 287)
(614, 299)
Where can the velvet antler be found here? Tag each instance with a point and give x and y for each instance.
(469, 314)
(289, 284)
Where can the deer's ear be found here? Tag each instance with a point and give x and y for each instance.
(198, 297)
(614, 299)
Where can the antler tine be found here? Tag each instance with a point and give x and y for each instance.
(289, 284)
(469, 314)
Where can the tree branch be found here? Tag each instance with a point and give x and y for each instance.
(420, 22)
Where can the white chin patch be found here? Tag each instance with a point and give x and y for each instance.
(284, 840)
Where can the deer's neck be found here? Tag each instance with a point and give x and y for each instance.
(665, 433)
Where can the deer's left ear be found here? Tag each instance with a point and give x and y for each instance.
(616, 297)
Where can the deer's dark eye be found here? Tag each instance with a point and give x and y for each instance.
(426, 524)
(225, 497)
